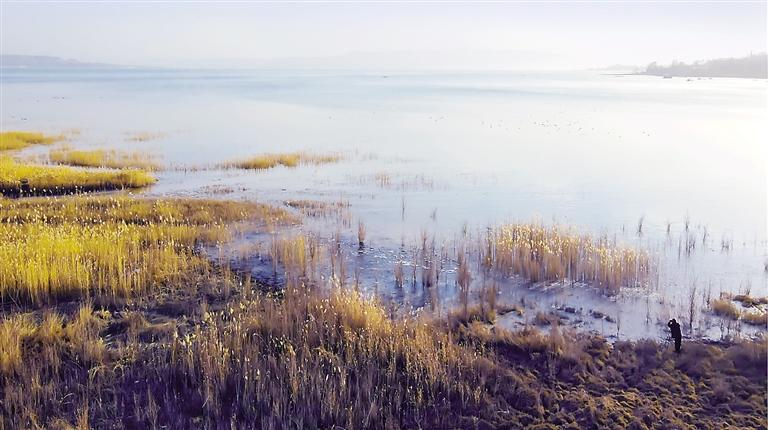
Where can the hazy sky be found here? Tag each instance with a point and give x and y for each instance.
(510, 35)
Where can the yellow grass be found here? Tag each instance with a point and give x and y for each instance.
(28, 179)
(554, 253)
(103, 158)
(755, 318)
(21, 139)
(268, 161)
(724, 307)
(114, 247)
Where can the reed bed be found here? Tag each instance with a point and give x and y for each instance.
(293, 159)
(18, 179)
(314, 359)
(540, 253)
(10, 140)
(757, 318)
(61, 248)
(725, 308)
(112, 159)
(42, 263)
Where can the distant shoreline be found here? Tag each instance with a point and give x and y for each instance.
(683, 76)
(754, 66)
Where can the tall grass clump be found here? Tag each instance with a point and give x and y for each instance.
(49, 365)
(18, 179)
(725, 308)
(554, 253)
(758, 318)
(103, 158)
(293, 159)
(21, 139)
(113, 247)
(314, 361)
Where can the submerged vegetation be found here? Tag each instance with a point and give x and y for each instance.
(293, 159)
(17, 179)
(144, 136)
(103, 158)
(21, 139)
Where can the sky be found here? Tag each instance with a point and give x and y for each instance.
(511, 35)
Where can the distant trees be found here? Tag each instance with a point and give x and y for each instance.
(753, 66)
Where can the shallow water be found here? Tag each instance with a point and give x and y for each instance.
(594, 151)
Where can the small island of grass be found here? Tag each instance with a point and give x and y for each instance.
(17, 179)
(10, 140)
(293, 159)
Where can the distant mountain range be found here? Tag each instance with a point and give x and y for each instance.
(8, 61)
(753, 66)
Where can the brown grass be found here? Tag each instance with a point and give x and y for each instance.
(725, 308)
(748, 301)
(309, 359)
(556, 253)
(757, 318)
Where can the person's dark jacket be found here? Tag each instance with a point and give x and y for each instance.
(674, 326)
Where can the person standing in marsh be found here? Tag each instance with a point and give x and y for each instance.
(674, 327)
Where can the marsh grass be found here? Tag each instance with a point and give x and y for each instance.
(725, 308)
(144, 136)
(211, 350)
(346, 363)
(112, 159)
(757, 318)
(17, 179)
(331, 358)
(752, 313)
(10, 140)
(338, 210)
(540, 253)
(61, 248)
(748, 301)
(293, 159)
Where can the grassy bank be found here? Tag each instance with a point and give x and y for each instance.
(17, 179)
